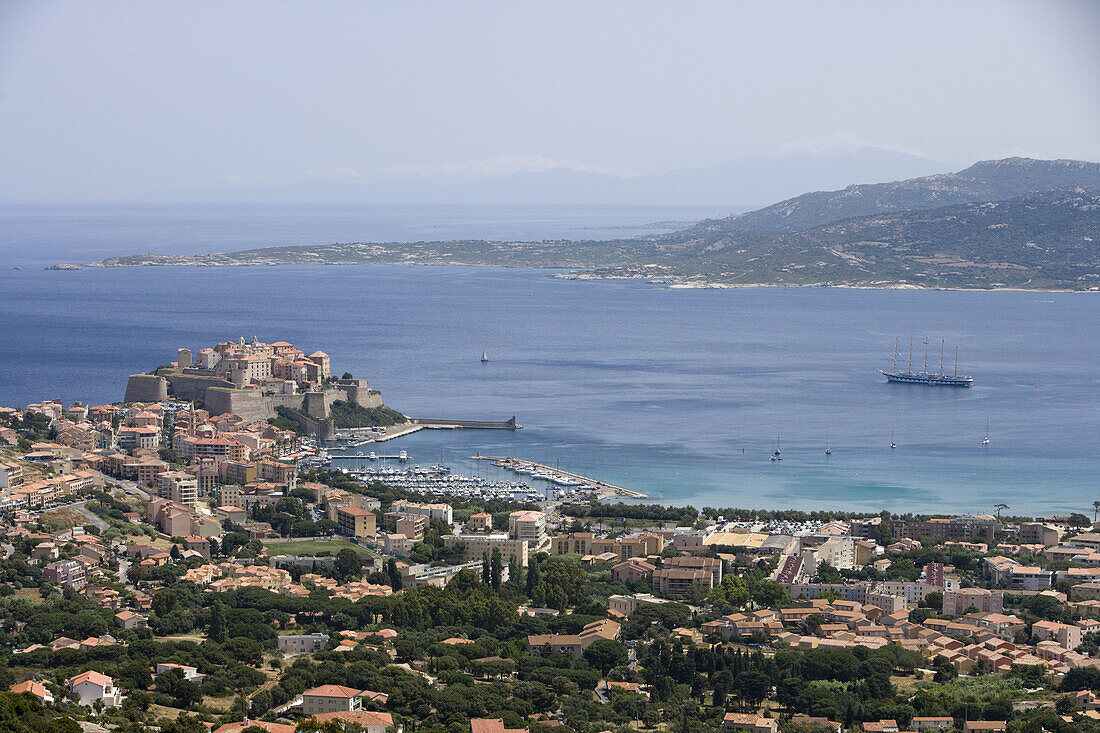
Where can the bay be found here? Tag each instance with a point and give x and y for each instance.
(678, 393)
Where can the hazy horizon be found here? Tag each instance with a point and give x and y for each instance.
(127, 102)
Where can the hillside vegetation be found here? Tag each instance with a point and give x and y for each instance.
(1009, 223)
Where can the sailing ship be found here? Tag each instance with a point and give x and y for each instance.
(924, 376)
(985, 440)
(484, 356)
(775, 456)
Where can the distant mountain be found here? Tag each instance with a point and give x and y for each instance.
(738, 184)
(1044, 240)
(989, 180)
(1040, 240)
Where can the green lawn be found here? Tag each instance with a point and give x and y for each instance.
(311, 547)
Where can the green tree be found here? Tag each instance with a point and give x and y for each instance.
(603, 654)
(496, 568)
(534, 576)
(394, 573)
(217, 622)
(348, 564)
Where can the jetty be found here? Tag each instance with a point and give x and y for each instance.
(356, 437)
(438, 424)
(601, 489)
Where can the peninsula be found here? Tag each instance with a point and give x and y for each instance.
(1014, 223)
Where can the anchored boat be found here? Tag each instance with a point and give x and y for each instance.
(924, 376)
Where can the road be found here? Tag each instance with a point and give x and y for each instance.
(131, 487)
(79, 506)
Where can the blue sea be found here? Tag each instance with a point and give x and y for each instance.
(681, 394)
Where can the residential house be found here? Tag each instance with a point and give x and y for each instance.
(90, 687)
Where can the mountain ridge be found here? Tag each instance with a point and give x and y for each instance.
(987, 180)
(1040, 239)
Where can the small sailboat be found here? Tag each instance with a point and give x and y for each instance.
(892, 443)
(776, 455)
(828, 448)
(484, 357)
(985, 440)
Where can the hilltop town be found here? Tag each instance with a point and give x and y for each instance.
(170, 564)
(257, 381)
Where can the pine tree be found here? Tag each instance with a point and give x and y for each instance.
(496, 568)
(217, 622)
(533, 578)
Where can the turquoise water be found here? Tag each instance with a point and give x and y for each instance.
(678, 393)
(681, 394)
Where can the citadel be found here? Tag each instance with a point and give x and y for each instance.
(252, 379)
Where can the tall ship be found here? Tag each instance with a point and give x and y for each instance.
(940, 378)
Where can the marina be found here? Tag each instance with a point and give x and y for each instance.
(559, 477)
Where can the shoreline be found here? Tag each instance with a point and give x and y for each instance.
(668, 282)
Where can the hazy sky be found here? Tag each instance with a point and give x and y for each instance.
(121, 100)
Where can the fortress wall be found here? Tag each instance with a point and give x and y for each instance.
(357, 392)
(323, 429)
(252, 404)
(192, 386)
(146, 388)
(316, 404)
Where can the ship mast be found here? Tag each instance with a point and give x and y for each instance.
(910, 355)
(941, 356)
(956, 361)
(925, 354)
(895, 369)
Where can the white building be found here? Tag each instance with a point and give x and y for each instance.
(90, 686)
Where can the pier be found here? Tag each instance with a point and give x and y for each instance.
(430, 422)
(603, 490)
(416, 424)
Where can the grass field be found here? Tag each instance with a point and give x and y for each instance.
(311, 547)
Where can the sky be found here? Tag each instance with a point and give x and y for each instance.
(123, 101)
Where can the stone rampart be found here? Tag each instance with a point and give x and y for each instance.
(146, 388)
(190, 386)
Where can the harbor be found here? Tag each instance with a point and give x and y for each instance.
(573, 481)
(356, 437)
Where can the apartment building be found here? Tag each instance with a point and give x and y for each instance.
(69, 573)
(478, 546)
(528, 525)
(355, 522)
(710, 565)
(956, 603)
(177, 486)
(431, 511)
(677, 581)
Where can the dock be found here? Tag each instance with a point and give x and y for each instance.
(603, 490)
(416, 424)
(431, 422)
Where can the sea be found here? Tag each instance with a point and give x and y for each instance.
(679, 393)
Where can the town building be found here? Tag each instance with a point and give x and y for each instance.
(302, 643)
(749, 723)
(574, 644)
(479, 546)
(528, 525)
(956, 603)
(355, 522)
(91, 687)
(330, 699)
(678, 581)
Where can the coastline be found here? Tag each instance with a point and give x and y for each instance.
(669, 282)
